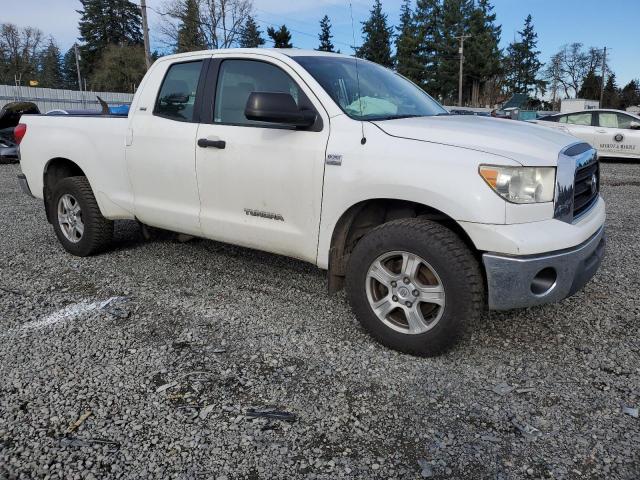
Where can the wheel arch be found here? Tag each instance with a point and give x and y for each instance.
(357, 220)
(55, 170)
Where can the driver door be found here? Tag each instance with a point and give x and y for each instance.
(260, 184)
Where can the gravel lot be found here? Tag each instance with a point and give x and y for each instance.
(200, 332)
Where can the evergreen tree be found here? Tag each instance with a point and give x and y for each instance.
(630, 94)
(251, 36)
(428, 23)
(325, 35)
(611, 97)
(190, 37)
(120, 69)
(522, 60)
(104, 23)
(377, 37)
(590, 86)
(482, 52)
(51, 67)
(407, 45)
(69, 70)
(281, 37)
(456, 16)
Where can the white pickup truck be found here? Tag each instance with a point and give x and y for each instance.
(426, 217)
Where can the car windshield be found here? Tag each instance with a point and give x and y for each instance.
(367, 91)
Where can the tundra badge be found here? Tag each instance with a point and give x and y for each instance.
(269, 215)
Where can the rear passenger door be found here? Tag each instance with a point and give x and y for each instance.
(264, 188)
(615, 137)
(161, 147)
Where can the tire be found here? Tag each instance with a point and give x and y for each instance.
(446, 288)
(81, 210)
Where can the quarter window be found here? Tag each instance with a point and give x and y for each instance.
(614, 120)
(577, 119)
(177, 95)
(239, 78)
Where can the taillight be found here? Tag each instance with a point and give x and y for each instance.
(19, 132)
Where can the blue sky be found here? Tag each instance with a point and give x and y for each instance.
(593, 22)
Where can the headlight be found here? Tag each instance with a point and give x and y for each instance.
(521, 184)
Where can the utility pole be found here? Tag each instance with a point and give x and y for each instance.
(145, 32)
(604, 67)
(75, 49)
(462, 38)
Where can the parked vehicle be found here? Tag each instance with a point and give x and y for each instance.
(9, 117)
(614, 133)
(339, 162)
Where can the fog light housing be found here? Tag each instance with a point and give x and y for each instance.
(544, 281)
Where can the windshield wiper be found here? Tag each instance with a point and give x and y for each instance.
(394, 117)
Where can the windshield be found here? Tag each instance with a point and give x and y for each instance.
(382, 94)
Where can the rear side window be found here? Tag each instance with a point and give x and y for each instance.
(577, 119)
(614, 120)
(239, 78)
(177, 95)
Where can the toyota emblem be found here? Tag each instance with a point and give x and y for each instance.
(594, 184)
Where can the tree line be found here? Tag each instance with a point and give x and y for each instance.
(424, 47)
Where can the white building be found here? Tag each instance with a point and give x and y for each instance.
(569, 105)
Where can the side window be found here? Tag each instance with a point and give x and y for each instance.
(563, 119)
(237, 79)
(608, 119)
(178, 91)
(579, 119)
(624, 121)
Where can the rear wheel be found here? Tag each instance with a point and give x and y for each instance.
(76, 218)
(413, 284)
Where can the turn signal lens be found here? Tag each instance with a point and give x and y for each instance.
(521, 184)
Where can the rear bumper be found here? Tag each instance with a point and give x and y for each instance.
(24, 185)
(524, 281)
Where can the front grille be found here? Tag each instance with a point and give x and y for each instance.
(586, 188)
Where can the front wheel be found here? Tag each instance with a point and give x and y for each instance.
(413, 284)
(76, 218)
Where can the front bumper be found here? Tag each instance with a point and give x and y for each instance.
(524, 281)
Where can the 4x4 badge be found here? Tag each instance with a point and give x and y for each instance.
(334, 159)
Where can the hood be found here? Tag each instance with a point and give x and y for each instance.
(525, 143)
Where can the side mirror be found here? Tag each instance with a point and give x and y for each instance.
(280, 108)
(177, 98)
(634, 125)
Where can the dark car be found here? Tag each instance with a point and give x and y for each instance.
(9, 118)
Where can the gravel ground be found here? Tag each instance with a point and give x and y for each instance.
(200, 332)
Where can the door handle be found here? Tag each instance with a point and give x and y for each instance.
(204, 143)
(601, 131)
